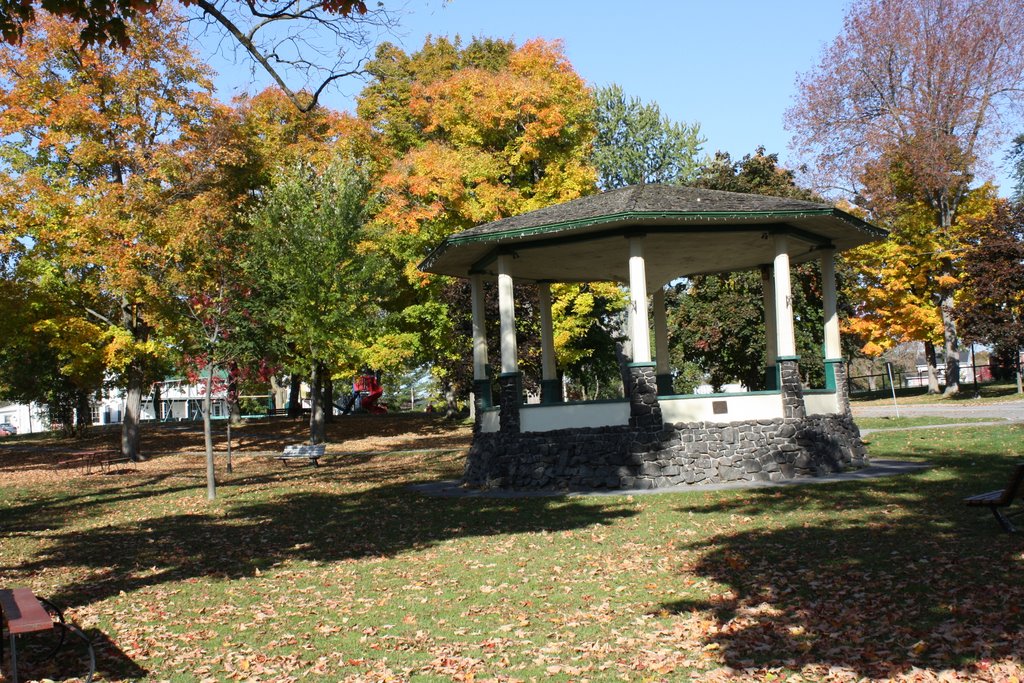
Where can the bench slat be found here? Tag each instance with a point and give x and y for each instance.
(23, 612)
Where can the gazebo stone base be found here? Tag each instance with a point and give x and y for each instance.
(677, 454)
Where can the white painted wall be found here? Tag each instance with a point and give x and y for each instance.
(490, 421)
(821, 404)
(740, 408)
(546, 418)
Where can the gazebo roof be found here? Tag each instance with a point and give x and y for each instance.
(689, 231)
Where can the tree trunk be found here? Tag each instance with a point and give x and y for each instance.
(328, 382)
(211, 481)
(130, 434)
(83, 413)
(952, 345)
(316, 412)
(451, 401)
(933, 375)
(234, 407)
(157, 400)
(294, 404)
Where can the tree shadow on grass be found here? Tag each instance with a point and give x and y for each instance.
(302, 526)
(923, 582)
(72, 659)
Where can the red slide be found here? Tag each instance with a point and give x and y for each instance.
(370, 391)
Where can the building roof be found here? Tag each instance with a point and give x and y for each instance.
(689, 231)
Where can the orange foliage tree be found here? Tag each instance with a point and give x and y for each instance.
(475, 133)
(90, 139)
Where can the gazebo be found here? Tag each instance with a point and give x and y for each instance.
(644, 237)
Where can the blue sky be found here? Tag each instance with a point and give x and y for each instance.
(729, 65)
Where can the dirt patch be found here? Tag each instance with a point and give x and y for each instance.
(170, 446)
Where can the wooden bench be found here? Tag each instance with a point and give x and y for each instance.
(994, 500)
(22, 613)
(303, 452)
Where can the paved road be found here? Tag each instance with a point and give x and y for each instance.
(1012, 411)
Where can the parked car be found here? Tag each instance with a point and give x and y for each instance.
(6, 429)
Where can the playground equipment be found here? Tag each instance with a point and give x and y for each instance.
(366, 391)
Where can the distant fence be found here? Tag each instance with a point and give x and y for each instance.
(904, 379)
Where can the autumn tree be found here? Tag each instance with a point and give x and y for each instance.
(635, 143)
(287, 39)
(86, 135)
(476, 132)
(903, 105)
(991, 310)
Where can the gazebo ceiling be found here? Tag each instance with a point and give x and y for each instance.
(689, 231)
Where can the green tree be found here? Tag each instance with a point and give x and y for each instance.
(636, 144)
(717, 321)
(323, 289)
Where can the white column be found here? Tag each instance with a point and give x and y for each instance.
(661, 333)
(828, 287)
(638, 301)
(476, 285)
(507, 311)
(786, 338)
(768, 294)
(547, 333)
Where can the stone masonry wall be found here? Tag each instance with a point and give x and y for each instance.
(685, 453)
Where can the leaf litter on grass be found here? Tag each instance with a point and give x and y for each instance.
(342, 574)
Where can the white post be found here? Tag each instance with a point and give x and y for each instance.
(506, 309)
(547, 333)
(638, 301)
(661, 333)
(833, 350)
(476, 285)
(785, 336)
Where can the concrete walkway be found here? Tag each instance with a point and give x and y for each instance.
(877, 468)
(1000, 413)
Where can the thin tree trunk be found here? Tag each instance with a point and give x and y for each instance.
(211, 481)
(933, 376)
(952, 345)
(234, 407)
(230, 467)
(157, 400)
(316, 412)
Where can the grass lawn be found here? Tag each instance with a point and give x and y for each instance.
(987, 393)
(923, 421)
(341, 573)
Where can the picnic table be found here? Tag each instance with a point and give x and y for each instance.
(104, 459)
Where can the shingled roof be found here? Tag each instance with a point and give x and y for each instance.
(689, 231)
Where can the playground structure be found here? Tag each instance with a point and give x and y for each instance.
(366, 392)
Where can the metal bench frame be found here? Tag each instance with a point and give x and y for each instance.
(1001, 498)
(22, 613)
